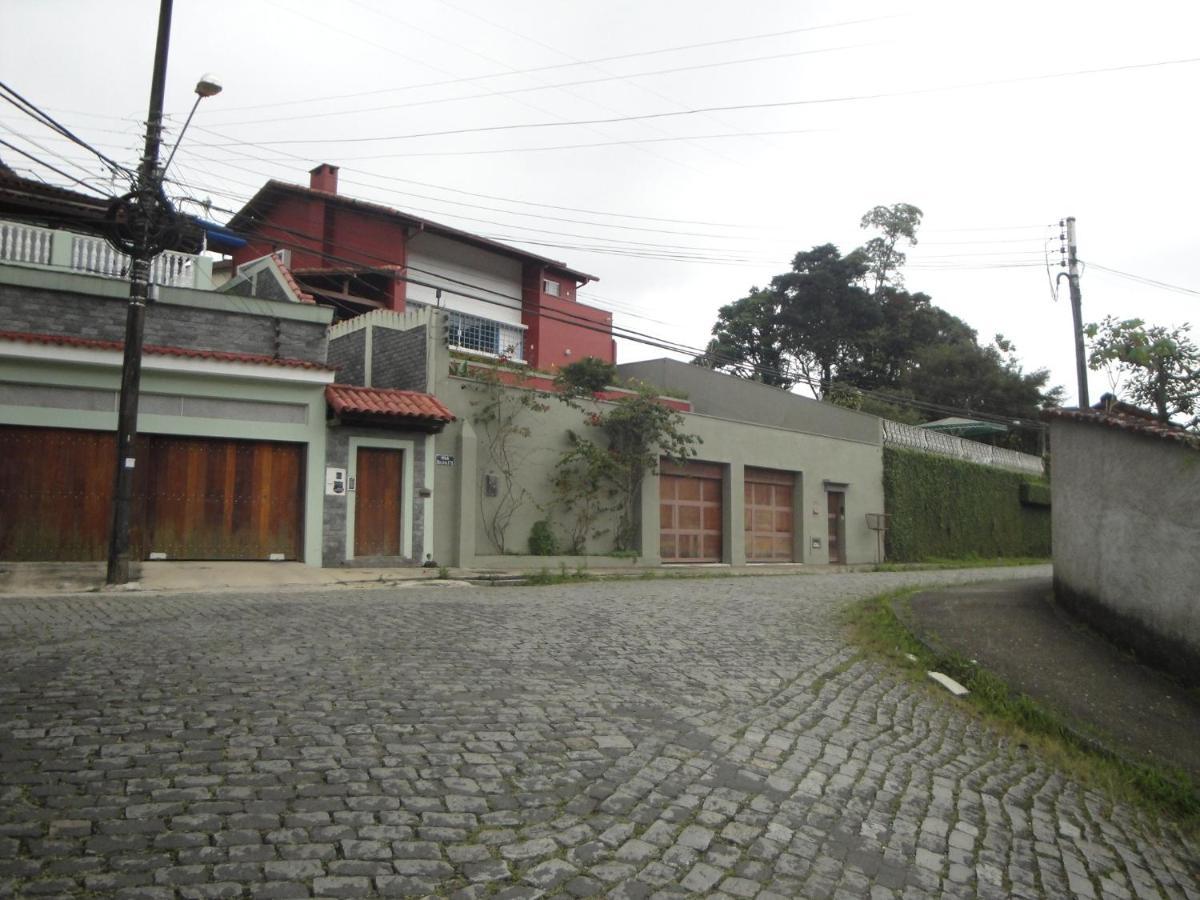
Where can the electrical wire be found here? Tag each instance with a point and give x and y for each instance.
(554, 66)
(1148, 282)
(30, 109)
(779, 104)
(55, 169)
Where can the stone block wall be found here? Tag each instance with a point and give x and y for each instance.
(347, 354)
(398, 358)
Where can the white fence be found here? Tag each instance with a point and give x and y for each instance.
(897, 434)
(30, 245)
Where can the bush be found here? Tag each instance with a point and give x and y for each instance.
(541, 539)
(950, 509)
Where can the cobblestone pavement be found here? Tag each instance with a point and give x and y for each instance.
(646, 738)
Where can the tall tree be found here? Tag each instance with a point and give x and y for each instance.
(806, 327)
(897, 222)
(1160, 365)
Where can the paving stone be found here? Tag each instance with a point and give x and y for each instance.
(768, 756)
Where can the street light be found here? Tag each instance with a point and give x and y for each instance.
(143, 226)
(207, 86)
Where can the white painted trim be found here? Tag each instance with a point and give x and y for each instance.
(406, 489)
(156, 363)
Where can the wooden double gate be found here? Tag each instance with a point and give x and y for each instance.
(194, 498)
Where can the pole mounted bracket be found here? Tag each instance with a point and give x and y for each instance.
(143, 222)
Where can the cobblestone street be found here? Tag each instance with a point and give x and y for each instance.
(711, 737)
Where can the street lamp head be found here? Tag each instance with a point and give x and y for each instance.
(208, 85)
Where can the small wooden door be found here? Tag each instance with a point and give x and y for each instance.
(378, 502)
(837, 526)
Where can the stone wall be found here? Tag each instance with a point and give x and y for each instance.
(398, 358)
(175, 324)
(347, 354)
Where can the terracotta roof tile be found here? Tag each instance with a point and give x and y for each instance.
(345, 398)
(1131, 424)
(64, 340)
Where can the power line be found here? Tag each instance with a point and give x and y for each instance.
(30, 109)
(549, 87)
(55, 169)
(779, 104)
(553, 66)
(1142, 279)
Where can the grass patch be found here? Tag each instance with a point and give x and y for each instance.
(1162, 790)
(562, 576)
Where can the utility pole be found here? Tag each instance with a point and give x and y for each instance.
(147, 221)
(1076, 312)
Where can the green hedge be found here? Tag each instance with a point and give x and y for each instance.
(948, 509)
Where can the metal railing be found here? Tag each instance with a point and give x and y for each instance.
(31, 245)
(487, 337)
(897, 434)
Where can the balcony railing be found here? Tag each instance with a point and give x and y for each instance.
(52, 248)
(898, 434)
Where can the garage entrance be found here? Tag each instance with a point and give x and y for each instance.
(194, 498)
(690, 512)
(769, 519)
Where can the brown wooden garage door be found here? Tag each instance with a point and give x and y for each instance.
(209, 498)
(690, 512)
(194, 498)
(769, 520)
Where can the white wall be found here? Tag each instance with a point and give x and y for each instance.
(488, 275)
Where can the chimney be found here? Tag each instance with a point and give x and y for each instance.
(323, 178)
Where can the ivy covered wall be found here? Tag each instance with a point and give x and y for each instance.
(947, 508)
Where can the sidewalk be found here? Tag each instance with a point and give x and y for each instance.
(1015, 630)
(75, 578)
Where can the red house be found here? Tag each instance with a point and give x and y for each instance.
(357, 256)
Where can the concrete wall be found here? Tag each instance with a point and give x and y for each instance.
(851, 461)
(1126, 538)
(738, 400)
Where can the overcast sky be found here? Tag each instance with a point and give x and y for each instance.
(826, 109)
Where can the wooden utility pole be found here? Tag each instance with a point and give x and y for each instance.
(1076, 312)
(147, 219)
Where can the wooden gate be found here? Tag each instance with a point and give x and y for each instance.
(769, 519)
(206, 498)
(690, 512)
(193, 498)
(378, 502)
(56, 488)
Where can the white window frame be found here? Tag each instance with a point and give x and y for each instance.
(551, 287)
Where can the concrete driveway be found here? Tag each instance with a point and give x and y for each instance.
(626, 739)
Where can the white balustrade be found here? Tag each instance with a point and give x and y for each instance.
(25, 243)
(898, 434)
(28, 244)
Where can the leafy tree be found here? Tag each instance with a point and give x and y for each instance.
(749, 341)
(805, 327)
(897, 222)
(1160, 365)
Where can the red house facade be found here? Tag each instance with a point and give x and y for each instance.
(358, 256)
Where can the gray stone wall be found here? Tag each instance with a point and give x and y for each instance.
(337, 454)
(347, 354)
(398, 358)
(103, 318)
(1125, 536)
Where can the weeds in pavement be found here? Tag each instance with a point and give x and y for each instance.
(877, 628)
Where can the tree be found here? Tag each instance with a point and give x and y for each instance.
(897, 222)
(1160, 365)
(749, 341)
(805, 327)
